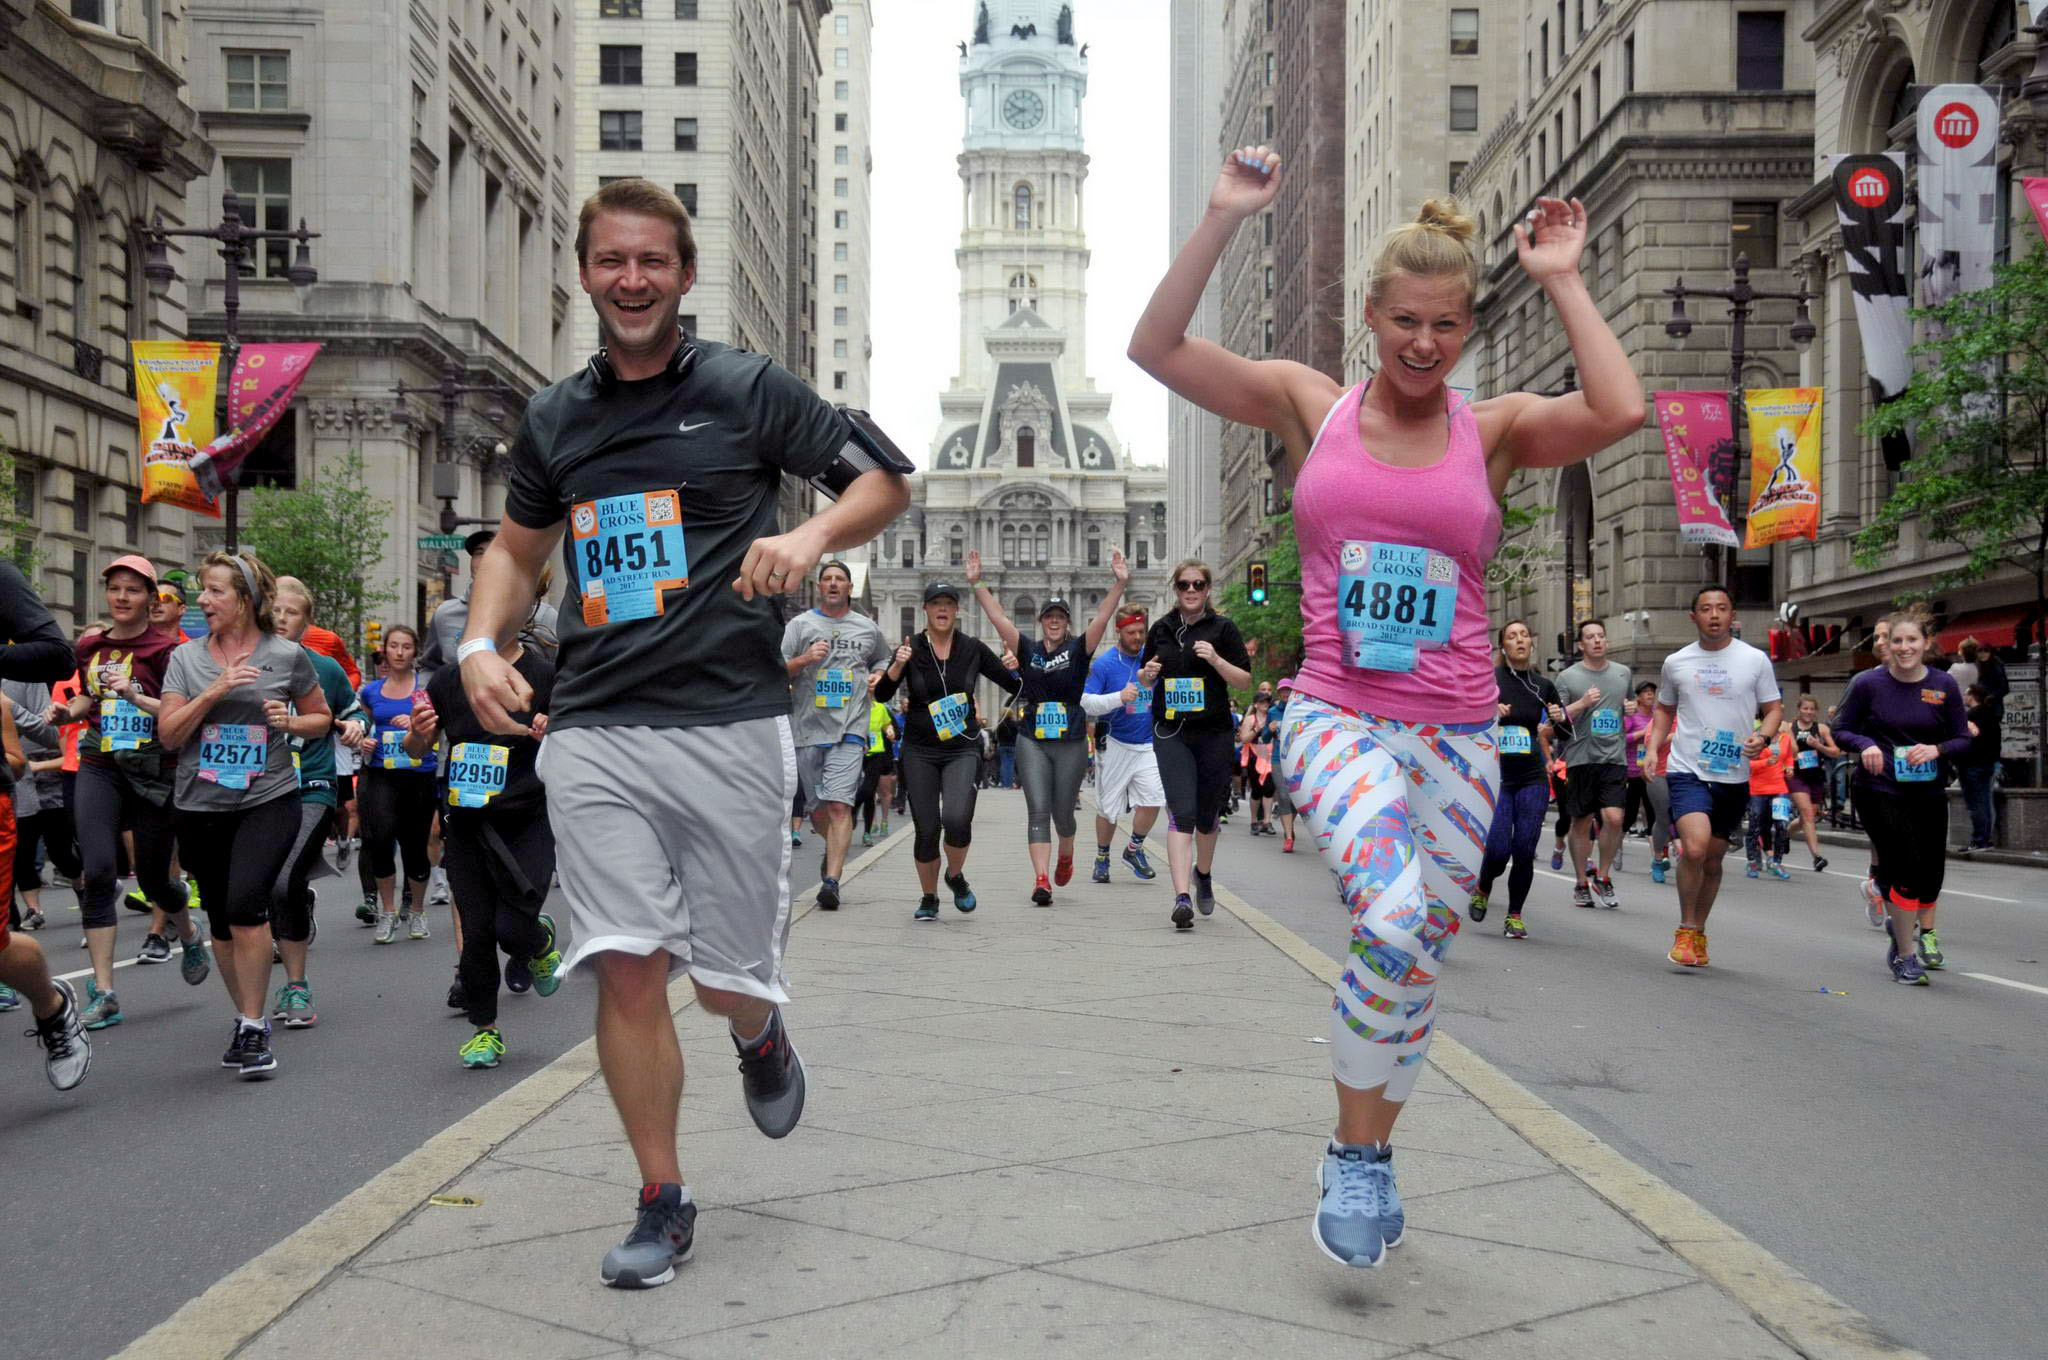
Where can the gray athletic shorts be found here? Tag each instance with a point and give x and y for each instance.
(677, 838)
(830, 774)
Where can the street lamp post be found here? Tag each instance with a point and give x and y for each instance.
(450, 389)
(238, 245)
(1741, 300)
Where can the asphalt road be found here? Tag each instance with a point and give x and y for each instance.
(162, 1172)
(1884, 1140)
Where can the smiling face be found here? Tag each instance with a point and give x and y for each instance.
(940, 613)
(1053, 626)
(1908, 646)
(1809, 708)
(636, 280)
(1421, 325)
(128, 597)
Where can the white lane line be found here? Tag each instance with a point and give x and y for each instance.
(118, 963)
(1946, 891)
(2008, 982)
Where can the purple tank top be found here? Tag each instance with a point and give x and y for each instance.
(1377, 546)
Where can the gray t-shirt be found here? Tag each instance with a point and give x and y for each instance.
(1597, 730)
(828, 701)
(234, 759)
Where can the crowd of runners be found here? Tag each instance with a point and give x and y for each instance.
(652, 754)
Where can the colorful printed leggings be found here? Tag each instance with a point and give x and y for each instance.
(1400, 812)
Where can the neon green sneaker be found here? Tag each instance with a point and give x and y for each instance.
(484, 1049)
(546, 966)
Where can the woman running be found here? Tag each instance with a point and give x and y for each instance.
(396, 788)
(124, 782)
(1052, 732)
(942, 740)
(1900, 720)
(1195, 657)
(232, 701)
(1770, 809)
(1389, 748)
(1526, 699)
(1814, 747)
(496, 842)
(1656, 785)
(1256, 735)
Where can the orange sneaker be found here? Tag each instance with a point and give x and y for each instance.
(1682, 948)
(1699, 949)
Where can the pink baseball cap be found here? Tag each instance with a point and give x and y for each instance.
(134, 562)
(1284, 682)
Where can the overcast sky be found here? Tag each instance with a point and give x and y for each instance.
(918, 120)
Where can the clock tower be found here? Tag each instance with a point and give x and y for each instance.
(1022, 168)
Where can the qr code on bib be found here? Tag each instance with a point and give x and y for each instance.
(661, 507)
(1442, 570)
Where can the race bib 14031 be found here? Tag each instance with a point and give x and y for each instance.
(1516, 741)
(627, 550)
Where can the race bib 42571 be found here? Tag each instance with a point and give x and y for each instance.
(233, 754)
(627, 551)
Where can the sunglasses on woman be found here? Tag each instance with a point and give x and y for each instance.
(1190, 585)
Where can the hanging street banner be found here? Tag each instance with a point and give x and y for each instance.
(1958, 190)
(1784, 464)
(265, 379)
(1870, 204)
(174, 391)
(2037, 196)
(1694, 425)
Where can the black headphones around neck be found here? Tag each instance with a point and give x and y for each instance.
(679, 365)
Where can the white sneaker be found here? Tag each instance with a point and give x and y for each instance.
(417, 928)
(387, 927)
(437, 890)
(1873, 906)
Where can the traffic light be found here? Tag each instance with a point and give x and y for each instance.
(1255, 581)
(373, 637)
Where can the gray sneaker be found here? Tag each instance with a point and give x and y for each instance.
(773, 1076)
(387, 928)
(1205, 893)
(155, 949)
(102, 1009)
(67, 1053)
(195, 965)
(416, 929)
(660, 1241)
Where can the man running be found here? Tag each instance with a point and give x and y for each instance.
(1596, 760)
(444, 629)
(1707, 705)
(1127, 782)
(668, 760)
(830, 654)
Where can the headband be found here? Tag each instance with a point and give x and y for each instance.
(1126, 620)
(248, 579)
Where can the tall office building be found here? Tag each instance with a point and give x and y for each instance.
(846, 161)
(1194, 437)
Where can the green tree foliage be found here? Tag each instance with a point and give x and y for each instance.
(330, 534)
(1272, 629)
(17, 531)
(1978, 414)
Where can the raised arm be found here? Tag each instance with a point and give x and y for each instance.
(1270, 394)
(1122, 570)
(991, 665)
(990, 605)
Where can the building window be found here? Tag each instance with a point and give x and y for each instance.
(1269, 122)
(839, 187)
(265, 188)
(839, 283)
(1596, 94)
(618, 9)
(1543, 47)
(839, 24)
(1753, 231)
(89, 11)
(686, 134)
(258, 80)
(1144, 554)
(1457, 169)
(1022, 196)
(686, 9)
(1464, 108)
(688, 194)
(956, 551)
(839, 349)
(839, 219)
(618, 131)
(686, 68)
(1094, 550)
(841, 156)
(1269, 334)
(618, 65)
(1760, 50)
(1269, 228)
(839, 122)
(81, 504)
(1269, 280)
(1628, 64)
(1027, 447)
(839, 316)
(841, 89)
(1578, 114)
(1272, 68)
(909, 615)
(1464, 32)
(839, 381)
(840, 59)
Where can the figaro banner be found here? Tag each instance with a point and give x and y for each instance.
(174, 392)
(266, 378)
(1784, 464)
(1694, 425)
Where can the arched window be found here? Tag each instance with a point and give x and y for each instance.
(1023, 610)
(1023, 290)
(1023, 197)
(1094, 546)
(1027, 446)
(956, 548)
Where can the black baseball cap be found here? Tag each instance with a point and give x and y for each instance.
(940, 590)
(478, 541)
(1055, 603)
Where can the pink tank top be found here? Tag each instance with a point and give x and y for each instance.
(1377, 538)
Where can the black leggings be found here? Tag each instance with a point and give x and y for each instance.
(1635, 802)
(498, 870)
(51, 829)
(1913, 829)
(237, 858)
(105, 804)
(291, 896)
(1195, 769)
(398, 816)
(941, 787)
(870, 780)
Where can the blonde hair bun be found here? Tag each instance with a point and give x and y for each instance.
(1445, 215)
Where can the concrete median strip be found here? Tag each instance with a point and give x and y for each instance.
(1792, 1307)
(242, 1304)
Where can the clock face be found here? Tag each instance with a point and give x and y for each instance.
(1023, 109)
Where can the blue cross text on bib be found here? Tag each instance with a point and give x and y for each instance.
(1913, 774)
(1721, 753)
(1051, 722)
(1516, 741)
(1184, 695)
(476, 773)
(627, 551)
(1392, 600)
(124, 726)
(233, 754)
(949, 716)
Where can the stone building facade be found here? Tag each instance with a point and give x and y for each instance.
(1687, 129)
(97, 137)
(846, 161)
(1194, 437)
(431, 147)
(1025, 466)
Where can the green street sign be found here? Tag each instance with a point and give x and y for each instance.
(441, 542)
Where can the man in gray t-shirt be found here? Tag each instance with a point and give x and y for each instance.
(832, 655)
(1596, 759)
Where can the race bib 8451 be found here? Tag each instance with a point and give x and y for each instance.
(627, 551)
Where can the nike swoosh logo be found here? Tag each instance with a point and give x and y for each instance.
(688, 428)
